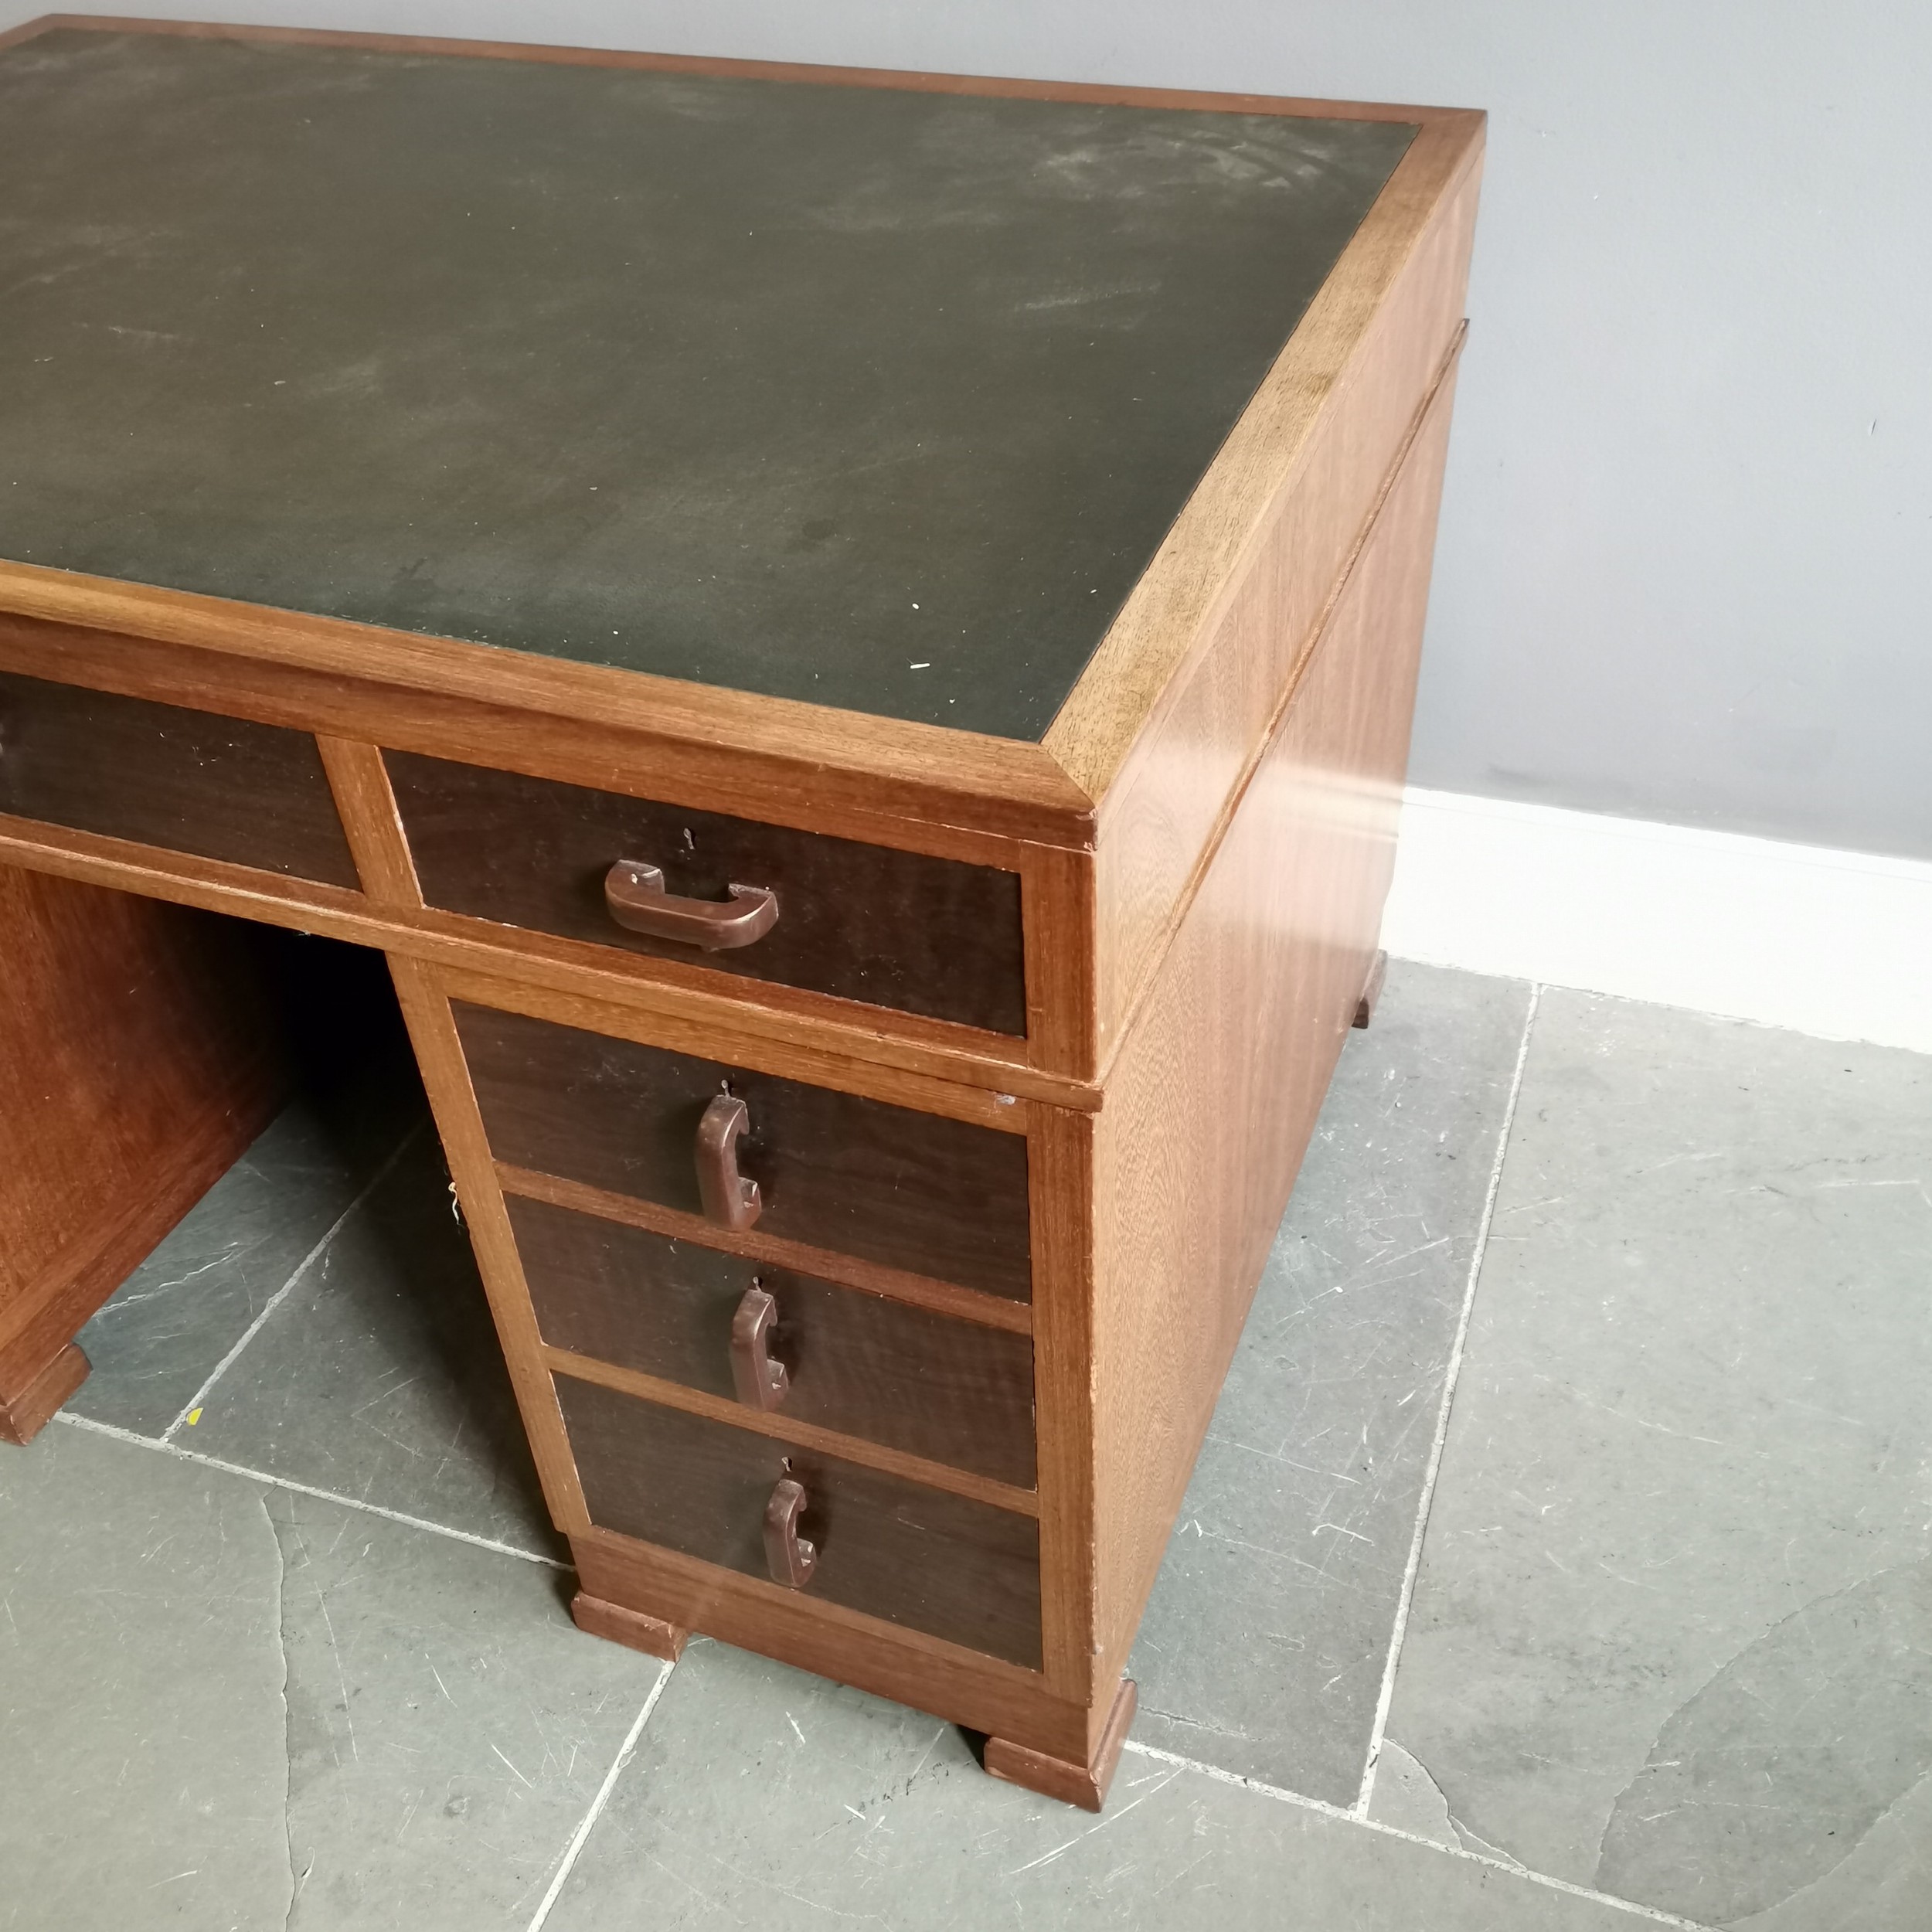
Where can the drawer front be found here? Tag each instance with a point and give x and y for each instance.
(951, 1391)
(916, 1191)
(922, 935)
(192, 781)
(957, 1570)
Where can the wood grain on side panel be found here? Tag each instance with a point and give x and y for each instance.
(952, 1392)
(868, 923)
(957, 1570)
(1164, 819)
(137, 1060)
(1215, 1091)
(916, 1192)
(162, 775)
(1165, 806)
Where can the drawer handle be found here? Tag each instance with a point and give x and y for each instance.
(635, 897)
(788, 1556)
(760, 1383)
(729, 1199)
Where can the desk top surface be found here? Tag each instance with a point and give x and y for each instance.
(880, 399)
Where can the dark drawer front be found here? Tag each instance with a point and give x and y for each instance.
(916, 1191)
(955, 1569)
(923, 935)
(951, 1391)
(192, 781)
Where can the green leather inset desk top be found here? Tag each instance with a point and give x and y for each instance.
(880, 400)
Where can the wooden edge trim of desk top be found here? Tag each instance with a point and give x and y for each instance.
(710, 742)
(1168, 617)
(802, 1435)
(848, 1270)
(701, 734)
(908, 81)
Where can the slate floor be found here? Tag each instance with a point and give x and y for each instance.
(1560, 1557)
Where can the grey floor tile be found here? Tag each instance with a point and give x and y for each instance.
(380, 1378)
(1405, 1798)
(142, 1771)
(1672, 1636)
(759, 1796)
(1882, 1885)
(1265, 1642)
(165, 1328)
(245, 1705)
(448, 1725)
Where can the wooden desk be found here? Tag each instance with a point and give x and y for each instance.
(851, 637)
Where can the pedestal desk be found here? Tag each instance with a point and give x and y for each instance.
(851, 637)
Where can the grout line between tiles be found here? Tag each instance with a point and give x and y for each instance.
(174, 1449)
(580, 1836)
(1413, 1567)
(1352, 1816)
(281, 1294)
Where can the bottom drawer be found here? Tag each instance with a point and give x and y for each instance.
(955, 1569)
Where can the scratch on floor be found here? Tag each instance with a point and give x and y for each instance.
(1340, 1531)
(288, 1752)
(1112, 1818)
(1198, 1724)
(342, 1680)
(932, 1745)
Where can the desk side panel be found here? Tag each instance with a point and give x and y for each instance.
(138, 1058)
(1210, 1106)
(1164, 812)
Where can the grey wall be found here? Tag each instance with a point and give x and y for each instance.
(1685, 569)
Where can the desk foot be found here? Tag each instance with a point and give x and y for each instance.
(1365, 1007)
(1082, 1785)
(24, 1412)
(650, 1635)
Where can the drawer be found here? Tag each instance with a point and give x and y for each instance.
(951, 1391)
(955, 1569)
(192, 781)
(921, 935)
(918, 1193)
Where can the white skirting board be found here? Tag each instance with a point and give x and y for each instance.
(1834, 944)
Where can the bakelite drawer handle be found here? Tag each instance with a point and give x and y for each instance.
(760, 1383)
(635, 897)
(789, 1557)
(729, 1198)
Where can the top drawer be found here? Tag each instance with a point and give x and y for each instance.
(923, 935)
(254, 795)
